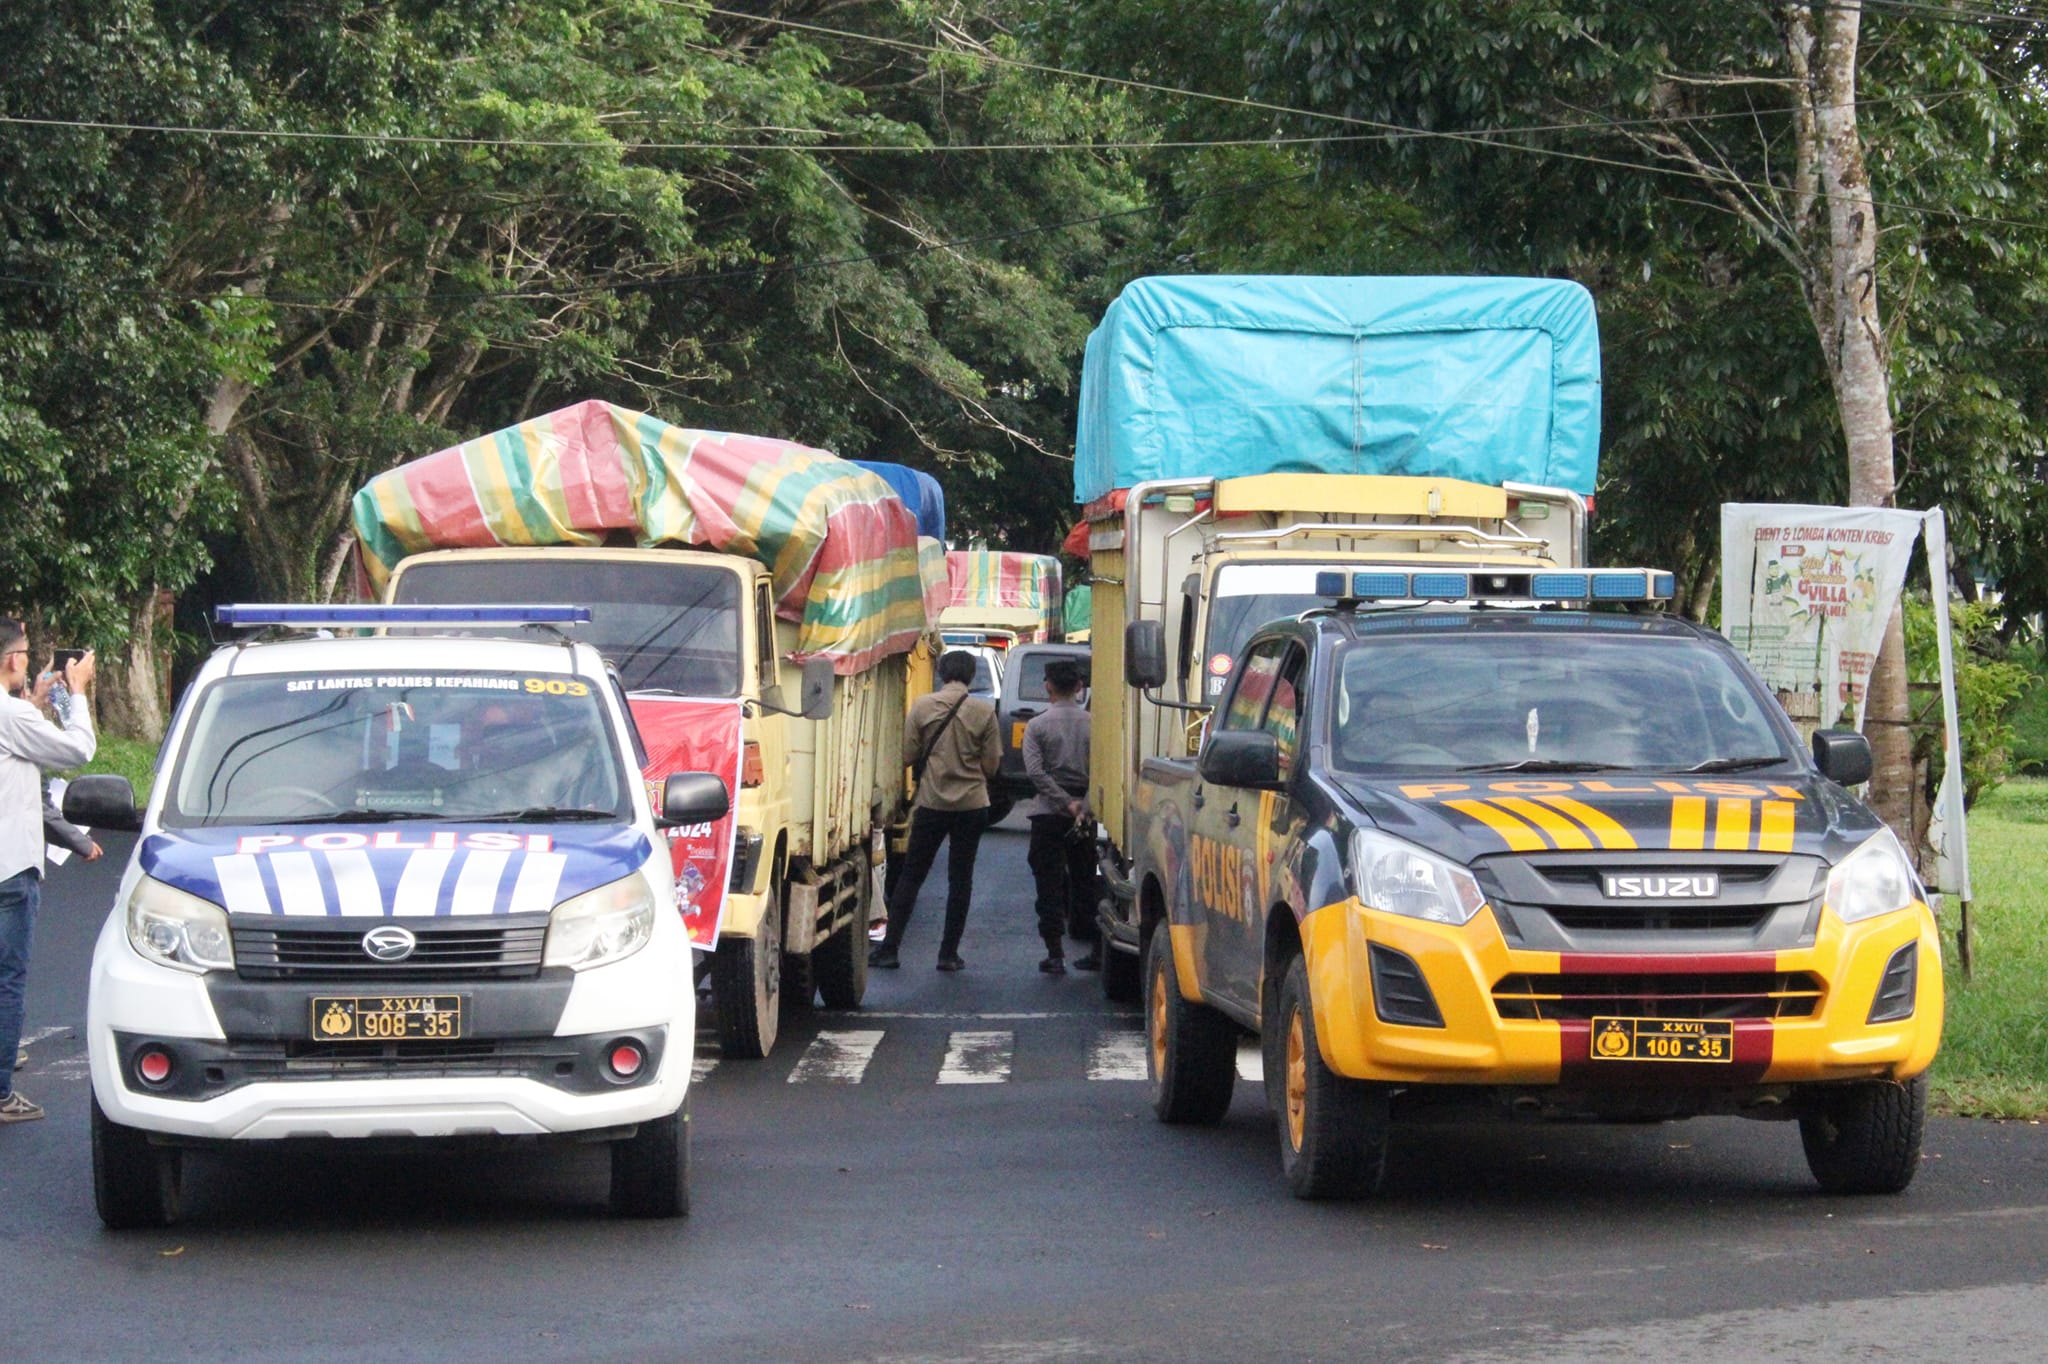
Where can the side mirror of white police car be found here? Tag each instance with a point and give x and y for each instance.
(104, 801)
(692, 798)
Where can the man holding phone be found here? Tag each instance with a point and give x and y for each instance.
(29, 743)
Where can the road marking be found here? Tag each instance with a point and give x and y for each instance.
(701, 1066)
(837, 1057)
(1118, 1056)
(1251, 1063)
(977, 1058)
(40, 1033)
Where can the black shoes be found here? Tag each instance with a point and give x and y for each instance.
(1091, 962)
(1053, 966)
(950, 961)
(883, 957)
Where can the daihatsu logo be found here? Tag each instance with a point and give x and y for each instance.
(389, 942)
(1685, 886)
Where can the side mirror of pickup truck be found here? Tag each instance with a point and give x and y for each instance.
(1241, 757)
(692, 798)
(1145, 654)
(1842, 755)
(102, 801)
(816, 702)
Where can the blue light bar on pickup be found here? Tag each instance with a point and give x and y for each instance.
(312, 616)
(1559, 586)
(1379, 584)
(1448, 586)
(1621, 586)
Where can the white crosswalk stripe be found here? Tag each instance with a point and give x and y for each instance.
(1251, 1063)
(837, 1057)
(701, 1067)
(977, 1058)
(1117, 1056)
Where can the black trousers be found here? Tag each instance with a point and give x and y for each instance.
(1064, 868)
(961, 830)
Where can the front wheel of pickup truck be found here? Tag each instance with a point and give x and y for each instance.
(134, 1184)
(1192, 1051)
(1333, 1131)
(746, 987)
(651, 1168)
(1865, 1138)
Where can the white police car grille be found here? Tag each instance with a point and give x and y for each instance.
(498, 950)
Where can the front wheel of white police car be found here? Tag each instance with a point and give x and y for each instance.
(470, 934)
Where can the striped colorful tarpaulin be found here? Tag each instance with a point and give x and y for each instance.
(996, 577)
(936, 572)
(841, 547)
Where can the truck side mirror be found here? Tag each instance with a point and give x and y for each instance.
(1145, 654)
(692, 798)
(1241, 757)
(1842, 755)
(102, 801)
(816, 702)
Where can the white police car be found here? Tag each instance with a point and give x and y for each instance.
(394, 887)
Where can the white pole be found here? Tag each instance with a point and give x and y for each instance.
(1956, 858)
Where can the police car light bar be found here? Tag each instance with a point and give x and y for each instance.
(310, 616)
(1607, 585)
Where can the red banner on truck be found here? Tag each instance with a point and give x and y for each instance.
(695, 736)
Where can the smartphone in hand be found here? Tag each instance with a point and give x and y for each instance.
(64, 658)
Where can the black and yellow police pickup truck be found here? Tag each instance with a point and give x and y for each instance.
(1524, 856)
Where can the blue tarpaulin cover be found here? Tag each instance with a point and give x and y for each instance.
(920, 492)
(1492, 380)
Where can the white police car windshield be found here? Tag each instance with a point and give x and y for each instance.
(303, 747)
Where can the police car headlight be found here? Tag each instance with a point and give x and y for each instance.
(603, 925)
(1401, 878)
(1875, 879)
(173, 928)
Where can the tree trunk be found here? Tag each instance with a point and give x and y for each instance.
(1854, 342)
(129, 692)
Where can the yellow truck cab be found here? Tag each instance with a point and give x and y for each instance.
(762, 603)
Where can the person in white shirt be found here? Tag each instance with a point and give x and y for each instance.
(28, 743)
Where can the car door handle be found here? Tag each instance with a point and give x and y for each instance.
(1231, 818)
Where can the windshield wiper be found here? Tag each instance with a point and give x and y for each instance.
(1737, 764)
(533, 814)
(1543, 765)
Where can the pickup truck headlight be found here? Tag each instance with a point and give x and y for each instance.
(1875, 879)
(600, 926)
(176, 929)
(1401, 878)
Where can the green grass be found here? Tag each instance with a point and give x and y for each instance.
(126, 757)
(1994, 1049)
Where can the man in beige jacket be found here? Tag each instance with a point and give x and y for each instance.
(954, 736)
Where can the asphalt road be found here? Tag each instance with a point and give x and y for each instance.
(955, 1173)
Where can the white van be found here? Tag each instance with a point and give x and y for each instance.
(394, 887)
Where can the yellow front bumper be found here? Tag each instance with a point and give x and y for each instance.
(1477, 1045)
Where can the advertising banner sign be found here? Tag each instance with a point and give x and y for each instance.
(1807, 592)
(695, 736)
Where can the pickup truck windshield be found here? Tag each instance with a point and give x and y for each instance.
(664, 626)
(470, 747)
(1553, 699)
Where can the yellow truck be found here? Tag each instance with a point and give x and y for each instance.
(1454, 824)
(792, 687)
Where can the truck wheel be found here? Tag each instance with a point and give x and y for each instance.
(1193, 1049)
(134, 1184)
(746, 987)
(1333, 1131)
(651, 1168)
(841, 964)
(1865, 1138)
(1123, 975)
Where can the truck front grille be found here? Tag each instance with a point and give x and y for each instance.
(1581, 995)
